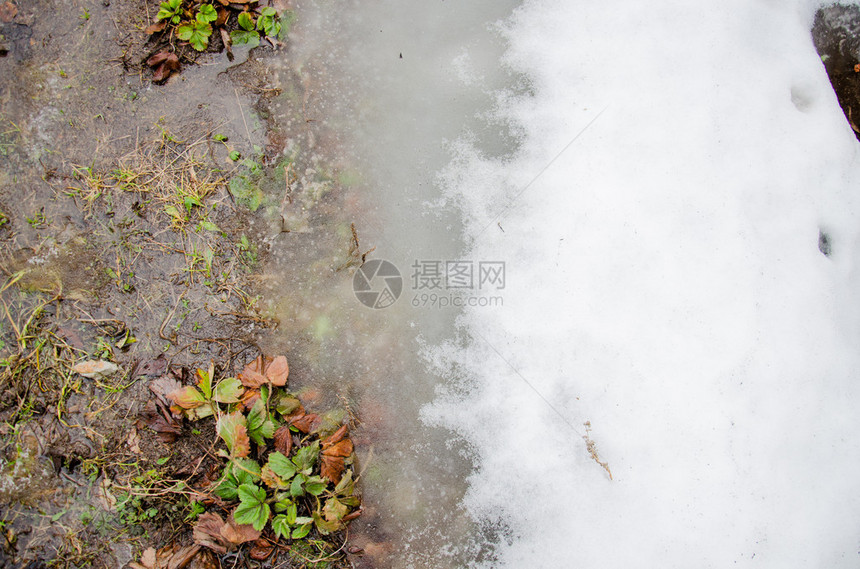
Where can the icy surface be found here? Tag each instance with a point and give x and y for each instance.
(661, 225)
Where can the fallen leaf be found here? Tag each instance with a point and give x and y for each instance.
(164, 385)
(8, 11)
(335, 437)
(205, 559)
(156, 27)
(157, 418)
(343, 448)
(238, 534)
(134, 440)
(183, 557)
(306, 423)
(252, 379)
(283, 440)
(94, 369)
(261, 551)
(331, 467)
(147, 559)
(164, 63)
(223, 15)
(207, 532)
(278, 370)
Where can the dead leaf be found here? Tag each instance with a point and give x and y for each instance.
(157, 418)
(223, 15)
(335, 437)
(134, 440)
(332, 467)
(261, 551)
(205, 559)
(306, 423)
(283, 440)
(148, 558)
(156, 27)
(278, 370)
(343, 448)
(164, 385)
(164, 63)
(8, 11)
(224, 2)
(252, 379)
(207, 532)
(94, 369)
(238, 534)
(183, 557)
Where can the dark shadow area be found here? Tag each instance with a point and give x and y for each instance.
(836, 35)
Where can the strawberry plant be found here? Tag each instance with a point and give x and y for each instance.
(286, 471)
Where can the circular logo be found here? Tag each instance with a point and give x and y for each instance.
(377, 284)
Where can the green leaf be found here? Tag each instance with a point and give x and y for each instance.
(281, 526)
(287, 404)
(197, 34)
(334, 510)
(220, 138)
(234, 154)
(246, 471)
(244, 37)
(296, 489)
(187, 397)
(229, 486)
(302, 530)
(246, 21)
(326, 527)
(315, 485)
(281, 465)
(172, 212)
(306, 457)
(228, 390)
(283, 503)
(209, 226)
(206, 14)
(204, 381)
(252, 508)
(257, 414)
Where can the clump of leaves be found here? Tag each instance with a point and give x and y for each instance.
(285, 469)
(196, 24)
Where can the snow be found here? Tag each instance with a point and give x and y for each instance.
(660, 223)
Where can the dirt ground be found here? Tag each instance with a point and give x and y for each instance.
(129, 235)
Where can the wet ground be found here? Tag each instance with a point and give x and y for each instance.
(127, 232)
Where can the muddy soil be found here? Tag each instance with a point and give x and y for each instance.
(129, 234)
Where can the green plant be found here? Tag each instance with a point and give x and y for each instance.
(246, 34)
(170, 10)
(269, 23)
(196, 33)
(295, 487)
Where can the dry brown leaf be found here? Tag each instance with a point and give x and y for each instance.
(283, 440)
(181, 558)
(306, 423)
(238, 534)
(205, 559)
(335, 437)
(278, 371)
(156, 27)
(261, 551)
(332, 467)
(343, 448)
(223, 14)
(207, 532)
(164, 385)
(251, 378)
